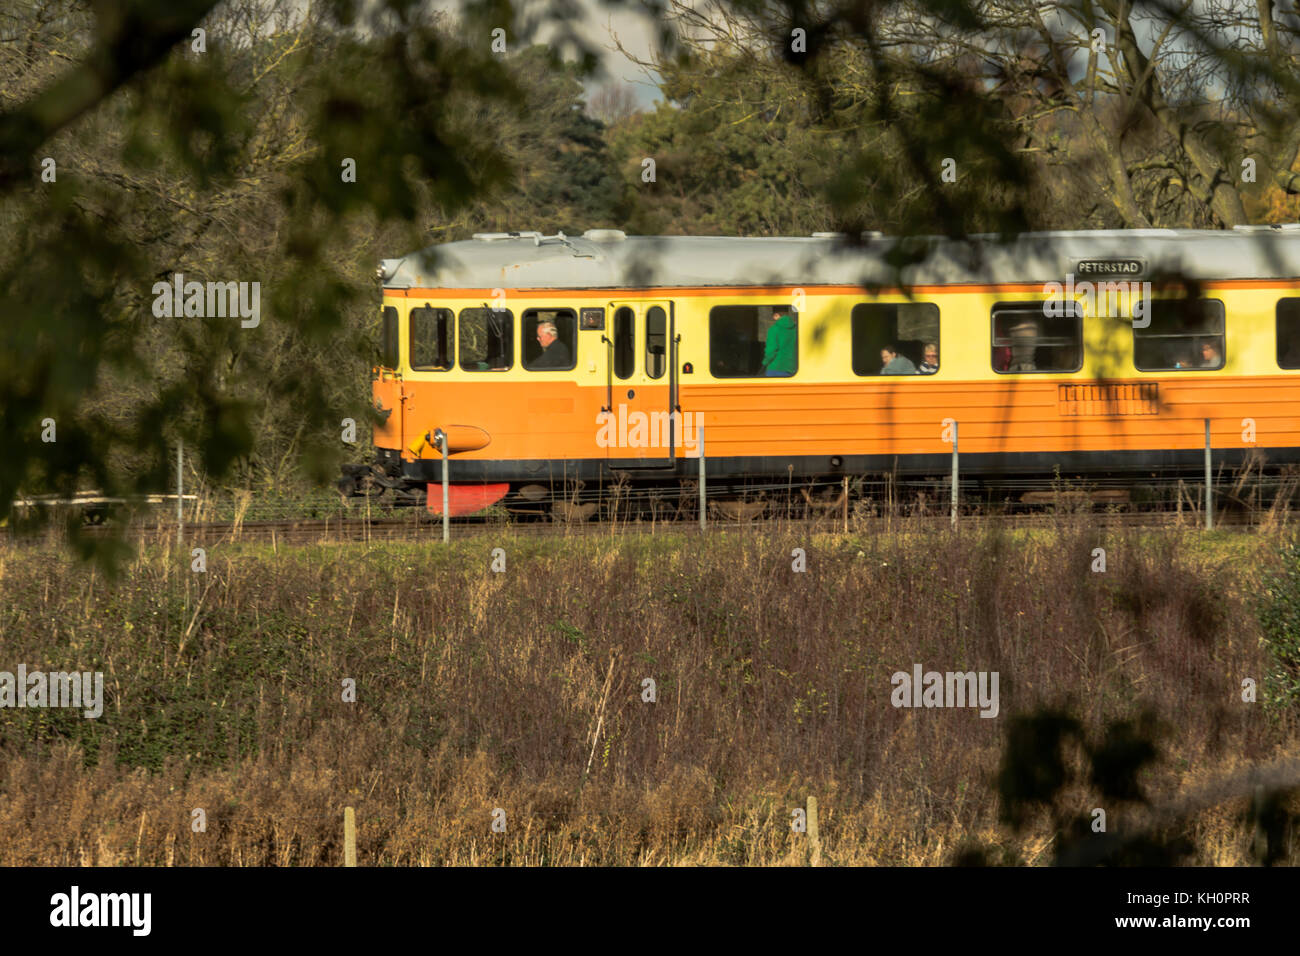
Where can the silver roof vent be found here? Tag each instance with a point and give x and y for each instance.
(1271, 227)
(494, 236)
(604, 235)
(842, 235)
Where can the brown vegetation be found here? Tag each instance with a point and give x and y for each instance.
(522, 691)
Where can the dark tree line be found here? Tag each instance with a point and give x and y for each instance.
(133, 148)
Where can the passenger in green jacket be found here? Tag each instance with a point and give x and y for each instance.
(781, 355)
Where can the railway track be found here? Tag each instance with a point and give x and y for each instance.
(421, 528)
(871, 506)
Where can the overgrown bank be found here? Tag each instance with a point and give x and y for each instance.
(524, 690)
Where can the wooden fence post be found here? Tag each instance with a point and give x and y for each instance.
(814, 834)
(349, 836)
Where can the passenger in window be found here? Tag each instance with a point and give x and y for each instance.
(1022, 352)
(1292, 357)
(1210, 355)
(555, 354)
(931, 358)
(780, 356)
(894, 364)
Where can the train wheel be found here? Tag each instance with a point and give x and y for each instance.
(739, 510)
(570, 512)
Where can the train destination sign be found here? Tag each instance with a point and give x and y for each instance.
(1106, 289)
(1102, 268)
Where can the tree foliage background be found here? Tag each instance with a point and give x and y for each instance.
(774, 118)
(130, 151)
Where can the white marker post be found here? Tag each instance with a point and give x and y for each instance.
(180, 491)
(1209, 482)
(440, 439)
(703, 512)
(954, 474)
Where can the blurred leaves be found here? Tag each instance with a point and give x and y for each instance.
(226, 166)
(1279, 615)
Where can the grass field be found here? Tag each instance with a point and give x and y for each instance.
(522, 690)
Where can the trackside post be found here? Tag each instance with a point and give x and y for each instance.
(703, 509)
(180, 490)
(440, 439)
(954, 473)
(1209, 481)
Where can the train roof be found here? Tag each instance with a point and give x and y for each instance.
(608, 259)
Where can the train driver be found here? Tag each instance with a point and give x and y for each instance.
(555, 354)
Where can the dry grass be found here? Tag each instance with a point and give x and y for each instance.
(478, 690)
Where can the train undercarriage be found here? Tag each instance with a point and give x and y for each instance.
(571, 492)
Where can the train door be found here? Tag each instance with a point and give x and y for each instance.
(639, 430)
(387, 390)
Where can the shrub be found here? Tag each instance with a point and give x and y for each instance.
(1279, 617)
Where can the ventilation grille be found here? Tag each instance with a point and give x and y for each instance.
(1139, 398)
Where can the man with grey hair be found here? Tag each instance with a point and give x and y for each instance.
(555, 354)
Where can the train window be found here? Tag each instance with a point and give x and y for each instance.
(430, 339)
(550, 339)
(1288, 333)
(749, 341)
(1183, 334)
(487, 340)
(895, 339)
(388, 357)
(1026, 340)
(656, 341)
(624, 342)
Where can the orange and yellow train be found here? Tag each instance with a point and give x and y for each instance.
(545, 359)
